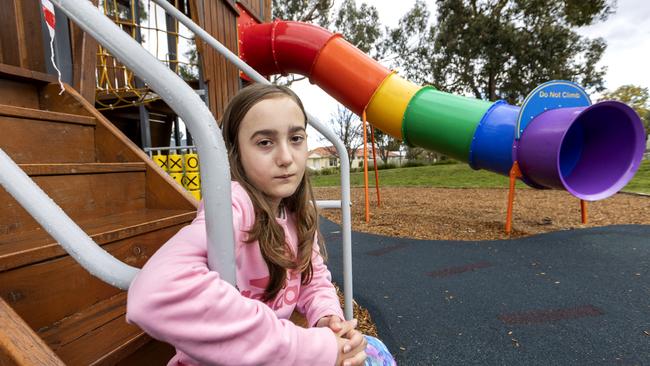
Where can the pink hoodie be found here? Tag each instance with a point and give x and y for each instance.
(177, 299)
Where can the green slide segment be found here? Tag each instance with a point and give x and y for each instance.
(442, 122)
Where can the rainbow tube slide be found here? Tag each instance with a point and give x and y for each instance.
(592, 152)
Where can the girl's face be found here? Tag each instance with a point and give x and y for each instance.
(273, 147)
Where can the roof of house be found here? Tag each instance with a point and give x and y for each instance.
(330, 151)
(322, 152)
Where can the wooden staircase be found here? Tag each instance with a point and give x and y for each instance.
(115, 194)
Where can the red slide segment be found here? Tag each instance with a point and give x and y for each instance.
(281, 47)
(339, 68)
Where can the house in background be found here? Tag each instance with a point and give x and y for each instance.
(322, 157)
(326, 157)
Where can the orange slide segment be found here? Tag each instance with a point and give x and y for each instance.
(347, 74)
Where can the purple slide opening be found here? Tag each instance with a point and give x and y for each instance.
(592, 152)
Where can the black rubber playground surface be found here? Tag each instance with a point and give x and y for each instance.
(579, 297)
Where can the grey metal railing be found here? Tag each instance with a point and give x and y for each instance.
(187, 105)
(344, 204)
(214, 163)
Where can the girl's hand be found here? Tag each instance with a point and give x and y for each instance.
(355, 357)
(352, 343)
(332, 321)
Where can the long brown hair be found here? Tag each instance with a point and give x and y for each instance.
(302, 204)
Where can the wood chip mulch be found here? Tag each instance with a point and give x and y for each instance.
(480, 214)
(365, 325)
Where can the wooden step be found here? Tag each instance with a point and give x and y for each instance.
(100, 335)
(21, 87)
(36, 136)
(99, 332)
(70, 328)
(81, 190)
(16, 73)
(152, 353)
(37, 245)
(60, 282)
(35, 170)
(41, 115)
(19, 345)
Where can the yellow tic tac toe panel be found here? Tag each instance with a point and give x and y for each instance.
(175, 163)
(196, 194)
(191, 162)
(178, 177)
(160, 160)
(192, 181)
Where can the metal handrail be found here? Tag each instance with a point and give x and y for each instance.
(346, 226)
(187, 105)
(54, 220)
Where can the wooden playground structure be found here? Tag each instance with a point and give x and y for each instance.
(84, 149)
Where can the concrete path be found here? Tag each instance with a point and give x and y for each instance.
(579, 297)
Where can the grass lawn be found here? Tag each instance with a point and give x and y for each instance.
(641, 181)
(456, 176)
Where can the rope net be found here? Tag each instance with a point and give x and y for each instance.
(164, 37)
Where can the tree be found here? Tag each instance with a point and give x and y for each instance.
(122, 9)
(190, 71)
(636, 97)
(360, 26)
(409, 46)
(385, 144)
(499, 49)
(310, 11)
(418, 153)
(346, 127)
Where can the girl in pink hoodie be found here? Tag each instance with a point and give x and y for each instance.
(279, 259)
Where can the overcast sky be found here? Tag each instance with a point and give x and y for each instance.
(627, 33)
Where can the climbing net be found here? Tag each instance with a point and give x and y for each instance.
(166, 39)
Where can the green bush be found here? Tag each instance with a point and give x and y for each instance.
(324, 171)
(414, 163)
(387, 166)
(421, 162)
(446, 161)
(407, 164)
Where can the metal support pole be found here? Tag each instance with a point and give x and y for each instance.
(514, 174)
(188, 138)
(145, 126)
(177, 131)
(172, 36)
